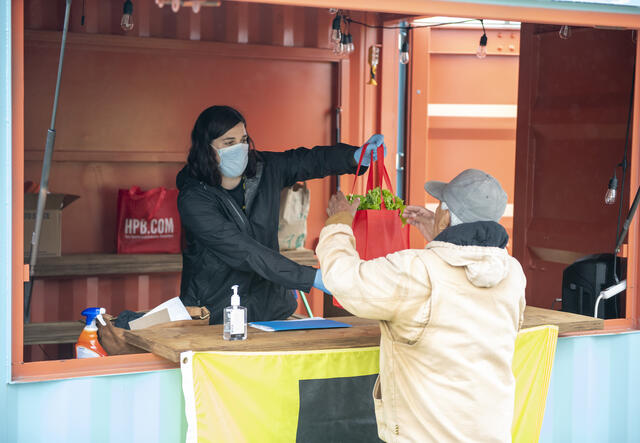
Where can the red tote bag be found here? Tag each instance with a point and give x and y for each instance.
(148, 221)
(378, 232)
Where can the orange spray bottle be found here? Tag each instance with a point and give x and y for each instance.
(88, 345)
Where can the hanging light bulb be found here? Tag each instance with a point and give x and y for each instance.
(336, 35)
(127, 16)
(482, 47)
(160, 3)
(175, 5)
(339, 47)
(344, 45)
(195, 6)
(333, 11)
(610, 196)
(350, 46)
(404, 51)
(564, 32)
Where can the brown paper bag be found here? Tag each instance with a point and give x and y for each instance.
(294, 210)
(112, 338)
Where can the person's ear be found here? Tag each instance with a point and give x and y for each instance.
(444, 221)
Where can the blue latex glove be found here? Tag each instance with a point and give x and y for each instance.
(317, 282)
(372, 146)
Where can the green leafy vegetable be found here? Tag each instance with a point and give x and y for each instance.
(372, 201)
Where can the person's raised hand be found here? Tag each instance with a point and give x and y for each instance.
(338, 203)
(421, 218)
(370, 146)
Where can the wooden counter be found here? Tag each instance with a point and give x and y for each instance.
(111, 264)
(170, 342)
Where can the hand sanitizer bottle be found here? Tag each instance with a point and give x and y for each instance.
(235, 318)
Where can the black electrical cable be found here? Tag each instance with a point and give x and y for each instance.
(82, 19)
(624, 166)
(350, 20)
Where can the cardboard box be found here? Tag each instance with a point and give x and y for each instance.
(51, 233)
(152, 319)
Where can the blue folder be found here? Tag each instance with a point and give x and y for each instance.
(303, 323)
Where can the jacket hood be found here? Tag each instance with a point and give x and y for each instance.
(479, 248)
(185, 178)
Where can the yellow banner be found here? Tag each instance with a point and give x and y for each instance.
(532, 362)
(326, 395)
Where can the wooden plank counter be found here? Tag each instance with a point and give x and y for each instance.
(565, 321)
(112, 264)
(170, 342)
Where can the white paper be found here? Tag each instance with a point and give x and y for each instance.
(176, 309)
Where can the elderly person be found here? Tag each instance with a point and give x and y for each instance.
(449, 314)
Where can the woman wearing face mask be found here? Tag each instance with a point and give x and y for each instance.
(229, 203)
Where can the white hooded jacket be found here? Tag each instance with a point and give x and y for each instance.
(449, 316)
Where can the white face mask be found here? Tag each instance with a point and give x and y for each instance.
(454, 220)
(233, 160)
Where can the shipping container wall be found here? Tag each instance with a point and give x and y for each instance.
(593, 397)
(594, 394)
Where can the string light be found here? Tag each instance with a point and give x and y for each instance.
(404, 50)
(482, 47)
(126, 23)
(194, 4)
(350, 49)
(610, 196)
(336, 34)
(564, 32)
(343, 45)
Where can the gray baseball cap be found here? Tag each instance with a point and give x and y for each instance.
(472, 195)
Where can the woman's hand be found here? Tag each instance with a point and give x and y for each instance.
(421, 218)
(338, 203)
(371, 147)
(319, 284)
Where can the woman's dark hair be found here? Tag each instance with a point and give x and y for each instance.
(212, 123)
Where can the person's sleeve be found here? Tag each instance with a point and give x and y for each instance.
(522, 302)
(239, 250)
(385, 288)
(523, 305)
(303, 164)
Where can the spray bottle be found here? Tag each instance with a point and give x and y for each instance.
(235, 318)
(88, 345)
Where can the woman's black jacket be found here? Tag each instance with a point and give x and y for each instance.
(226, 246)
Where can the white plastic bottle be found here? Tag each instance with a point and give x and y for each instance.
(235, 318)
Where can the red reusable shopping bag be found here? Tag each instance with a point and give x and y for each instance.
(148, 221)
(378, 232)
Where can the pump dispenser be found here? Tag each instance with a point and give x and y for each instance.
(88, 345)
(235, 318)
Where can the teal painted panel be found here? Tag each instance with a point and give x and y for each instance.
(615, 6)
(5, 211)
(145, 407)
(594, 394)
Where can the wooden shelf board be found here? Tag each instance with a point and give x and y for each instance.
(75, 265)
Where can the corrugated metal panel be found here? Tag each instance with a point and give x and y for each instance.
(232, 22)
(147, 407)
(594, 395)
